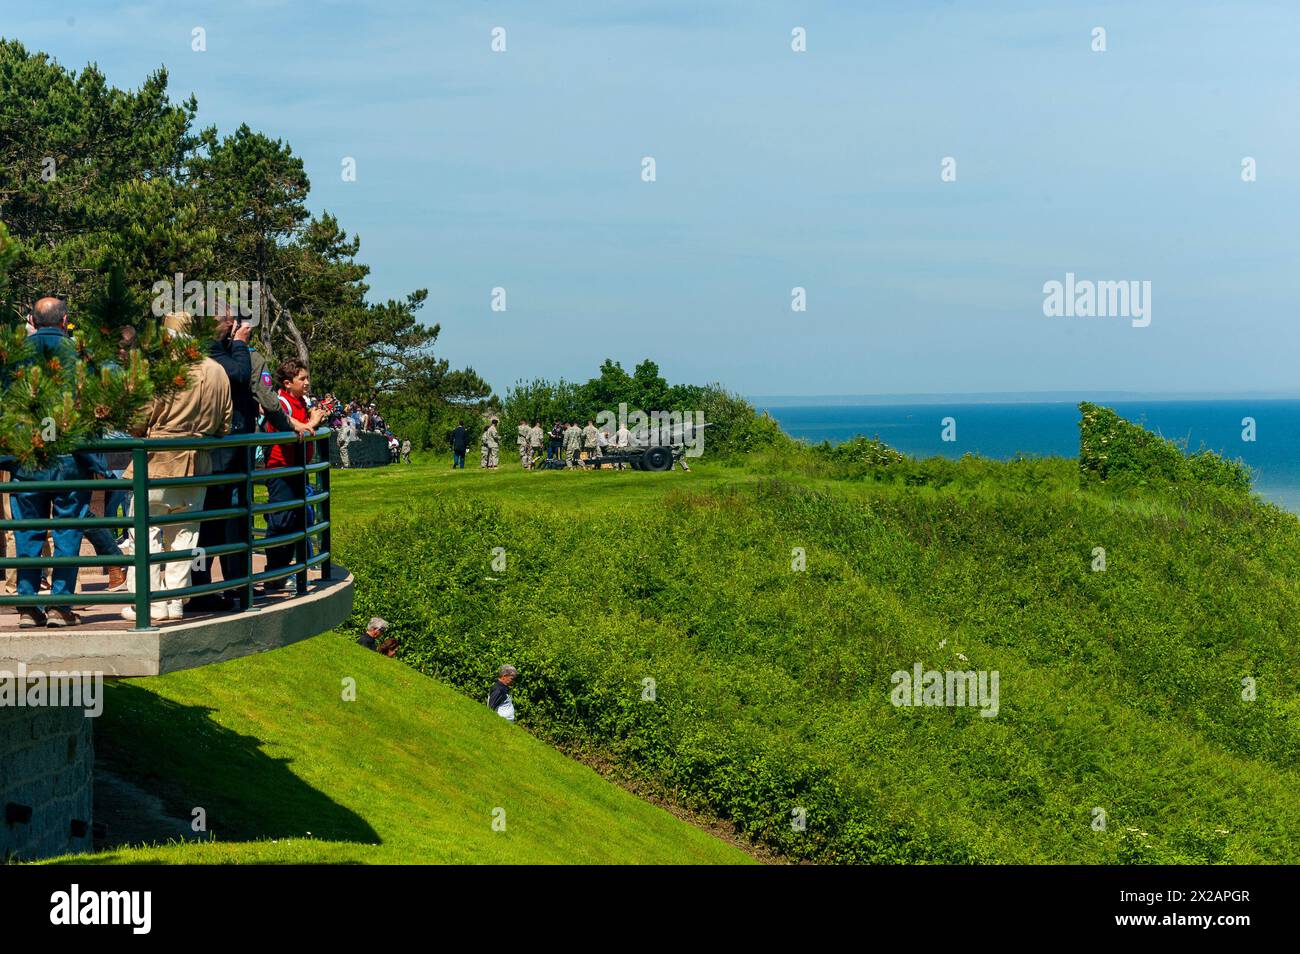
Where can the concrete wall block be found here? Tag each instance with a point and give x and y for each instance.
(46, 763)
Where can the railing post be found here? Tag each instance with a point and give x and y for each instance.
(250, 463)
(303, 548)
(325, 513)
(140, 527)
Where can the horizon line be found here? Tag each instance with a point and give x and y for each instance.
(1059, 396)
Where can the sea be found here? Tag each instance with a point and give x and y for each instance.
(1003, 431)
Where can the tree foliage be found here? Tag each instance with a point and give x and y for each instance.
(108, 192)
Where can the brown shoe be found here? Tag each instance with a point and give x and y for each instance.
(29, 617)
(116, 577)
(58, 617)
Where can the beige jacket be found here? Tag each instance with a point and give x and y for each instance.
(201, 410)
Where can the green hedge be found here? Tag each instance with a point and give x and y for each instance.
(1120, 689)
(1121, 454)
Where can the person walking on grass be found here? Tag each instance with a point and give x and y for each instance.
(489, 447)
(525, 458)
(459, 443)
(534, 443)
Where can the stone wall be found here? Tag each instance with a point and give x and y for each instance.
(370, 449)
(47, 760)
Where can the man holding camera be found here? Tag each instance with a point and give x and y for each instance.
(245, 369)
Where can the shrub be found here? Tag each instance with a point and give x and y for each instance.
(1121, 454)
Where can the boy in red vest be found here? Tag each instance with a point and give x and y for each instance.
(294, 383)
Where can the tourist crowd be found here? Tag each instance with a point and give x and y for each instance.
(230, 390)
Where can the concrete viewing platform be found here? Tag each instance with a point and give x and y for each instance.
(106, 643)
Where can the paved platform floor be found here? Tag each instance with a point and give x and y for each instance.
(108, 617)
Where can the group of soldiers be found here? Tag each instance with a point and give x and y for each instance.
(567, 441)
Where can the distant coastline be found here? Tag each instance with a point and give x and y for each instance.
(1011, 397)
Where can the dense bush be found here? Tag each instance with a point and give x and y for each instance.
(1120, 689)
(1122, 454)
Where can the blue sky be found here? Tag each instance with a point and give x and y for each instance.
(778, 169)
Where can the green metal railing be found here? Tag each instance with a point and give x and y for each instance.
(140, 520)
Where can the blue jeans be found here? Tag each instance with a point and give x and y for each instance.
(42, 505)
(458, 459)
(118, 501)
(280, 522)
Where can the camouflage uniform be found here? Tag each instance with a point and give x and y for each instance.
(590, 443)
(572, 441)
(525, 458)
(488, 447)
(535, 438)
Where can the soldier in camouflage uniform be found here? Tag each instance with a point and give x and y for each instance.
(590, 445)
(572, 441)
(489, 446)
(525, 458)
(535, 438)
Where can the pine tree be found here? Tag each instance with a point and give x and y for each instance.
(49, 407)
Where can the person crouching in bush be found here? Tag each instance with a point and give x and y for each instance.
(499, 700)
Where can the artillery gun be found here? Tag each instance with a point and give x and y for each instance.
(641, 454)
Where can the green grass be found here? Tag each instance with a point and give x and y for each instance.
(1121, 690)
(409, 772)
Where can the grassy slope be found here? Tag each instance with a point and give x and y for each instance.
(1121, 689)
(408, 772)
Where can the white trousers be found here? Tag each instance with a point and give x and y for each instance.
(170, 537)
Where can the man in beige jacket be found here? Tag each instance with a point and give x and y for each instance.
(203, 409)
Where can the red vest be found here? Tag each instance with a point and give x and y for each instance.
(288, 455)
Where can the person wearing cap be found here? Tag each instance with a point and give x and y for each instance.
(202, 409)
(375, 631)
(499, 700)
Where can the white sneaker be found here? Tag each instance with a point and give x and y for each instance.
(157, 613)
(175, 609)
